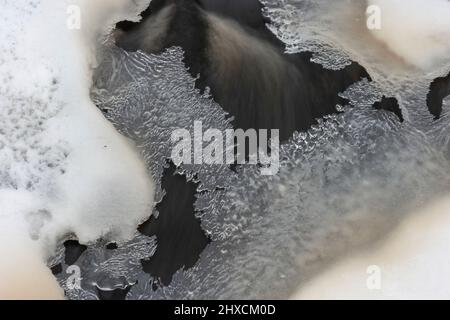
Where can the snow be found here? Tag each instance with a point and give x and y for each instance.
(342, 187)
(64, 169)
(413, 263)
(343, 184)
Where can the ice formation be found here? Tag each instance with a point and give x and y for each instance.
(344, 184)
(416, 30)
(64, 169)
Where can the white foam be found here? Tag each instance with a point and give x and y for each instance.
(63, 167)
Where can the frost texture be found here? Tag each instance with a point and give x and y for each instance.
(342, 184)
(106, 269)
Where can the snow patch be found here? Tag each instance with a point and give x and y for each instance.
(63, 167)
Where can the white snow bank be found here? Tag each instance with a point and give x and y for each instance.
(412, 263)
(416, 30)
(63, 167)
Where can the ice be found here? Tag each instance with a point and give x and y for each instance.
(412, 263)
(101, 265)
(170, 102)
(413, 39)
(63, 167)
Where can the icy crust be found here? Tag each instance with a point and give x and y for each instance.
(342, 185)
(441, 131)
(25, 157)
(336, 191)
